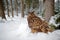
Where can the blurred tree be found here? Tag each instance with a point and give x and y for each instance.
(57, 6)
(7, 8)
(49, 9)
(11, 8)
(22, 8)
(35, 3)
(16, 7)
(31, 4)
(2, 14)
(27, 5)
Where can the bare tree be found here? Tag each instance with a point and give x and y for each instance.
(11, 8)
(22, 8)
(2, 14)
(16, 7)
(35, 3)
(49, 9)
(7, 8)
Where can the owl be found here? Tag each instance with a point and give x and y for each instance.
(36, 24)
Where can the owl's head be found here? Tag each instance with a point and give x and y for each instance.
(31, 14)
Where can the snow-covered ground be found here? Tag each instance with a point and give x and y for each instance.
(17, 29)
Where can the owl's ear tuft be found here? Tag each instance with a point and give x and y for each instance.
(28, 12)
(33, 11)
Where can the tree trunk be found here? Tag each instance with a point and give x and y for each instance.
(22, 8)
(35, 3)
(7, 8)
(49, 9)
(11, 8)
(16, 7)
(28, 5)
(2, 14)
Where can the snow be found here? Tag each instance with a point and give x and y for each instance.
(53, 20)
(17, 29)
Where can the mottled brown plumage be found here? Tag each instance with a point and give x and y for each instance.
(36, 24)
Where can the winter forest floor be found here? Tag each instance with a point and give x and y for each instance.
(17, 29)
